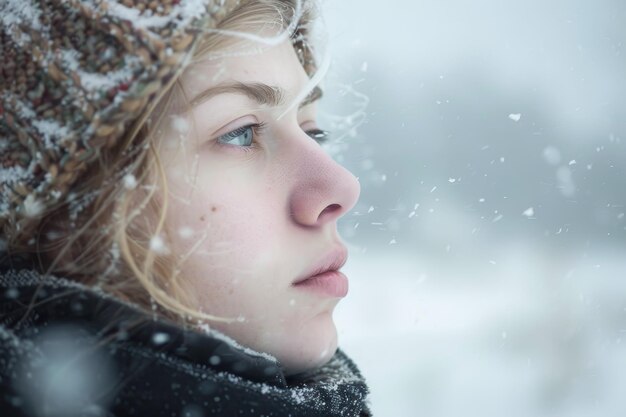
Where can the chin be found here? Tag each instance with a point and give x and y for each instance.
(311, 347)
(298, 347)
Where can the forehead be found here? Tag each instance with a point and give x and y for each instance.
(272, 65)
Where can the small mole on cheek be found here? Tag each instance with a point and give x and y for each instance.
(202, 218)
(213, 209)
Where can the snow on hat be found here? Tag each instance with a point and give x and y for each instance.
(74, 76)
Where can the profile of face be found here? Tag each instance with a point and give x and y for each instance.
(254, 202)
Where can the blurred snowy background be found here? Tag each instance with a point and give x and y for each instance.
(488, 250)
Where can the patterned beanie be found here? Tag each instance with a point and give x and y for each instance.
(74, 76)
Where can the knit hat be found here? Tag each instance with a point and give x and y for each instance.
(74, 76)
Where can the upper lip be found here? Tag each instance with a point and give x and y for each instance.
(332, 261)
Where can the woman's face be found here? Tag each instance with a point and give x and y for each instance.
(256, 208)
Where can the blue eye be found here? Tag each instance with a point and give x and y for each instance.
(319, 135)
(239, 137)
(244, 136)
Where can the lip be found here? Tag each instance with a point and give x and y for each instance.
(324, 276)
(329, 283)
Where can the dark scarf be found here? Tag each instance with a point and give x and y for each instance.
(69, 350)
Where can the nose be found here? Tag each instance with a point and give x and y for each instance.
(323, 190)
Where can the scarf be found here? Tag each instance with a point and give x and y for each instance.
(71, 350)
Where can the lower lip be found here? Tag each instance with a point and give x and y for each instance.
(330, 284)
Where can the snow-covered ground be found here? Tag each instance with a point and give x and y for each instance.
(536, 334)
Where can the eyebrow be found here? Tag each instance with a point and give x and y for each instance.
(259, 92)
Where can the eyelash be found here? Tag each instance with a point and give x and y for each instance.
(319, 135)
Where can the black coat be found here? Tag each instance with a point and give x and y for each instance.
(69, 350)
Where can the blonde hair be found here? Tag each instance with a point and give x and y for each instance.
(104, 237)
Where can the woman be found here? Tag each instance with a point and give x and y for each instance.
(169, 239)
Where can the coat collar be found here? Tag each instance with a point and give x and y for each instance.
(31, 305)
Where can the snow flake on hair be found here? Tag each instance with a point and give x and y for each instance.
(181, 14)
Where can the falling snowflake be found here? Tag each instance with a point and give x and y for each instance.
(515, 116)
(552, 155)
(180, 124)
(160, 338)
(185, 232)
(158, 245)
(32, 206)
(529, 212)
(130, 182)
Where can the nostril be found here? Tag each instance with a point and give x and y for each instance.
(329, 211)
